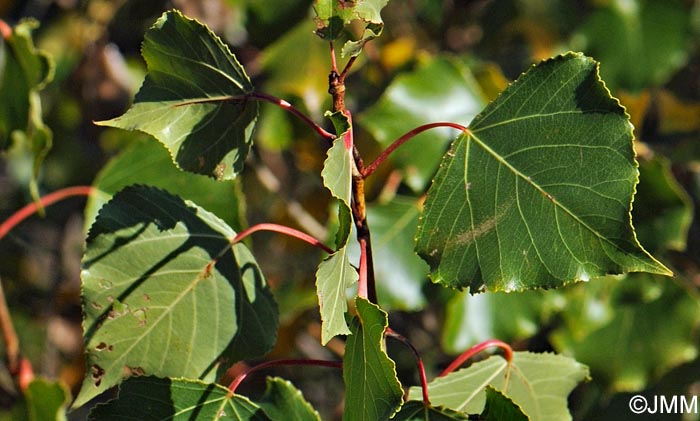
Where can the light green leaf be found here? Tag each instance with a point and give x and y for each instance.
(417, 411)
(630, 331)
(441, 90)
(538, 194)
(143, 398)
(165, 294)
(538, 383)
(146, 160)
(24, 71)
(47, 400)
(372, 391)
(499, 407)
(334, 276)
(282, 401)
(191, 98)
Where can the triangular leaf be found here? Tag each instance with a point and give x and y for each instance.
(417, 411)
(282, 401)
(538, 193)
(498, 407)
(372, 391)
(192, 98)
(165, 294)
(176, 399)
(537, 383)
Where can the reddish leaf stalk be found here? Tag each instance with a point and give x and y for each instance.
(421, 368)
(277, 363)
(9, 335)
(405, 138)
(282, 230)
(507, 354)
(15, 363)
(289, 107)
(47, 200)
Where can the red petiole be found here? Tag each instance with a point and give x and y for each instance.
(471, 352)
(282, 230)
(368, 170)
(421, 368)
(277, 363)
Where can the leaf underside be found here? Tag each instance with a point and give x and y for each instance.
(165, 294)
(539, 384)
(538, 193)
(192, 98)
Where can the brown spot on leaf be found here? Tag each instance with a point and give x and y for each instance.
(96, 373)
(134, 371)
(101, 346)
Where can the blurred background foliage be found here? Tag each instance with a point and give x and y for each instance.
(438, 60)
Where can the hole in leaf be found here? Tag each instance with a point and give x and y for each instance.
(101, 346)
(97, 373)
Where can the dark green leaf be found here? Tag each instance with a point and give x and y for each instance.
(151, 398)
(441, 90)
(282, 401)
(538, 194)
(372, 391)
(417, 411)
(191, 100)
(498, 408)
(165, 294)
(538, 383)
(147, 161)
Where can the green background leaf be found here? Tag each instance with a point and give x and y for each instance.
(538, 383)
(651, 34)
(147, 161)
(186, 100)
(164, 293)
(372, 391)
(177, 399)
(400, 273)
(282, 401)
(442, 89)
(539, 193)
(643, 322)
(47, 400)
